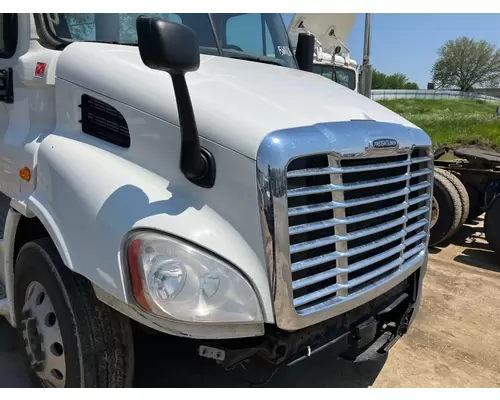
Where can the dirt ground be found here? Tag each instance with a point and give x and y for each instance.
(454, 342)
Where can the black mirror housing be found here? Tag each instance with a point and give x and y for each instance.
(167, 46)
(304, 53)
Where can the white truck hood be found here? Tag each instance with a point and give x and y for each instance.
(236, 103)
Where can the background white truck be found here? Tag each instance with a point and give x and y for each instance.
(191, 179)
(331, 56)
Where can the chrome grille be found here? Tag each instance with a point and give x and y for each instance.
(353, 222)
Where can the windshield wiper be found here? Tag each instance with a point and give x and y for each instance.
(105, 42)
(127, 43)
(249, 57)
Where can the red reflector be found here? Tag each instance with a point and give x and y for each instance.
(40, 70)
(134, 252)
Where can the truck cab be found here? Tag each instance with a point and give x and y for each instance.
(188, 175)
(331, 57)
(344, 71)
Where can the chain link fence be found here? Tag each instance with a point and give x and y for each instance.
(392, 94)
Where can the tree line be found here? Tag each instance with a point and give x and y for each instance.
(394, 81)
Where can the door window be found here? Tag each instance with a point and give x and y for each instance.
(8, 35)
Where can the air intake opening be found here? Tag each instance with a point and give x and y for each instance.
(103, 121)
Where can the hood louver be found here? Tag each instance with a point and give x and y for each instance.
(104, 122)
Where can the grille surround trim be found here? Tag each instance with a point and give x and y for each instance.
(276, 152)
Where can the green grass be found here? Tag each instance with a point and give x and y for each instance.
(452, 122)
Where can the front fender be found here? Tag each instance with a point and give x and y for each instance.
(89, 199)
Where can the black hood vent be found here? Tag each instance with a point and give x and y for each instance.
(103, 121)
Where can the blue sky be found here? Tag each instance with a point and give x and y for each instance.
(407, 43)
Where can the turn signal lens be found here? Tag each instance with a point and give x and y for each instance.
(25, 174)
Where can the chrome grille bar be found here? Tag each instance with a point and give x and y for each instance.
(370, 167)
(331, 205)
(338, 286)
(335, 271)
(333, 187)
(296, 248)
(350, 220)
(311, 262)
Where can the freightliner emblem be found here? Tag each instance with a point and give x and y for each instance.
(384, 144)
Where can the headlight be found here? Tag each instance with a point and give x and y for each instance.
(172, 278)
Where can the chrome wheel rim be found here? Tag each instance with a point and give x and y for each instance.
(42, 337)
(434, 212)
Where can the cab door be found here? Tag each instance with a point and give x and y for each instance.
(27, 104)
(14, 41)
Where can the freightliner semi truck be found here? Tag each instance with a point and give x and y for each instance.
(188, 175)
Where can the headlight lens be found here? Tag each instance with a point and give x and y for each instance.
(172, 278)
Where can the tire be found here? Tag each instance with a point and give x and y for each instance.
(462, 192)
(475, 203)
(450, 210)
(66, 327)
(491, 221)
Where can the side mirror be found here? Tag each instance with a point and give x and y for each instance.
(173, 48)
(167, 46)
(305, 51)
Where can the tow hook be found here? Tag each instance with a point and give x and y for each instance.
(401, 329)
(405, 322)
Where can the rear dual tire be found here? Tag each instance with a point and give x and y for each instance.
(450, 206)
(462, 192)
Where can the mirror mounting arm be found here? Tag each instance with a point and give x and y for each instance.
(197, 163)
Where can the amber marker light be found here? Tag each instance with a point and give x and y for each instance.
(25, 174)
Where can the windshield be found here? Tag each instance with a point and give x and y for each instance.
(257, 37)
(341, 75)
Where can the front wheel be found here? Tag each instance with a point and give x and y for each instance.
(70, 339)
